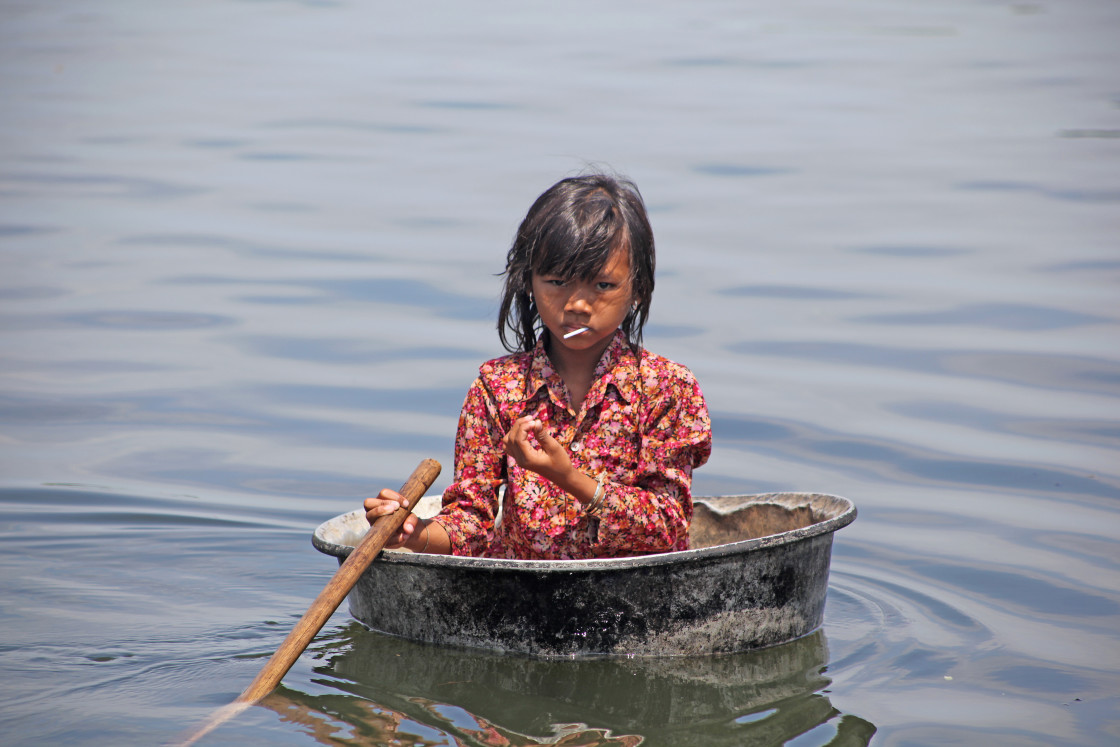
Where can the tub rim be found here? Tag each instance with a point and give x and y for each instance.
(840, 512)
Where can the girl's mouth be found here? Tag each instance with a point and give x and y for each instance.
(575, 332)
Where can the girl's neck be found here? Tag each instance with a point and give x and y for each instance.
(575, 367)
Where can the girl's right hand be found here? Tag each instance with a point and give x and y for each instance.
(385, 503)
(549, 460)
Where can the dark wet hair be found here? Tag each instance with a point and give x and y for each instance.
(570, 232)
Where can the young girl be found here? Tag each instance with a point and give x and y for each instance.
(594, 438)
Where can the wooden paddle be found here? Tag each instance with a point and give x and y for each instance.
(327, 602)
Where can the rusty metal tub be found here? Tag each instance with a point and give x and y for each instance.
(756, 576)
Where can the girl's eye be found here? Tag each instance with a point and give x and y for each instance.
(556, 282)
(605, 286)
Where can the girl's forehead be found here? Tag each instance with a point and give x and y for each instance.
(587, 266)
(618, 262)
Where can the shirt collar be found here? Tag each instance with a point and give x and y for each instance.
(618, 367)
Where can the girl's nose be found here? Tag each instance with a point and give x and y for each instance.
(578, 302)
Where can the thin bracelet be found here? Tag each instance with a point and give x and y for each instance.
(596, 501)
(427, 537)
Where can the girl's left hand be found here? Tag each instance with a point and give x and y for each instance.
(549, 461)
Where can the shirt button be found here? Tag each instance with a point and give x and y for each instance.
(577, 446)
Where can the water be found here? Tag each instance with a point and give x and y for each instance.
(247, 272)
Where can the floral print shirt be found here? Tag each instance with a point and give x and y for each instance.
(643, 428)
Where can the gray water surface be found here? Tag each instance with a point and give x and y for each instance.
(248, 257)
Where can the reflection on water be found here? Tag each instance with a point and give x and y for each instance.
(394, 688)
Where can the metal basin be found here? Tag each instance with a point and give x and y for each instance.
(756, 575)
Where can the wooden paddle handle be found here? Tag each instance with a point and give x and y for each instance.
(336, 590)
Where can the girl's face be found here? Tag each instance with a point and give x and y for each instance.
(600, 304)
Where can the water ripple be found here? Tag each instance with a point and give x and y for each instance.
(737, 170)
(148, 320)
(1021, 317)
(211, 469)
(33, 292)
(796, 292)
(808, 443)
(13, 230)
(76, 512)
(400, 128)
(1036, 596)
(952, 469)
(101, 185)
(1067, 372)
(1089, 432)
(914, 251)
(348, 352)
(406, 292)
(237, 246)
(468, 105)
(432, 400)
(1071, 195)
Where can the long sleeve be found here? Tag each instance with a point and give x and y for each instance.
(650, 509)
(470, 504)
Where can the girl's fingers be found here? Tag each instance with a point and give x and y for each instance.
(378, 506)
(407, 528)
(519, 432)
(524, 426)
(544, 456)
(516, 441)
(533, 456)
(392, 495)
(384, 503)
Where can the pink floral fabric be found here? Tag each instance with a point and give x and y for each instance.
(642, 427)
